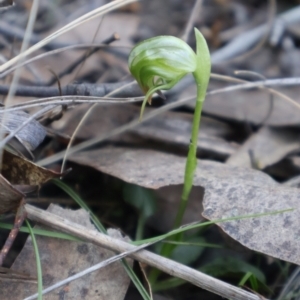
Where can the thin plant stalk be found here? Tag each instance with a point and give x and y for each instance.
(190, 168)
(201, 76)
(191, 162)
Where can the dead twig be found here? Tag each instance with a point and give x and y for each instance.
(69, 100)
(60, 50)
(164, 264)
(102, 89)
(84, 89)
(193, 17)
(81, 59)
(243, 42)
(269, 25)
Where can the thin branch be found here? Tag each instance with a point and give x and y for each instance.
(243, 42)
(193, 17)
(262, 87)
(81, 59)
(271, 107)
(86, 55)
(83, 89)
(90, 99)
(102, 89)
(56, 51)
(11, 31)
(69, 100)
(164, 264)
(269, 24)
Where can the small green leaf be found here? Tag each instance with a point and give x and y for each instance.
(228, 265)
(140, 198)
(187, 254)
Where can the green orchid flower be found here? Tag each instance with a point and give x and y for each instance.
(160, 62)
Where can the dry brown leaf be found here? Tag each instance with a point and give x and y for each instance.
(10, 197)
(113, 23)
(61, 259)
(170, 128)
(275, 235)
(251, 105)
(229, 192)
(167, 206)
(174, 128)
(101, 120)
(153, 169)
(268, 145)
(31, 135)
(20, 171)
(25, 176)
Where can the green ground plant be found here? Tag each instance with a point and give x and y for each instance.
(158, 64)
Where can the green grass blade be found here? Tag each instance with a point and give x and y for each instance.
(167, 284)
(43, 232)
(38, 262)
(202, 244)
(102, 229)
(136, 280)
(198, 225)
(254, 283)
(80, 202)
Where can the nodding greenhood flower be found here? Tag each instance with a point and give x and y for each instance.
(160, 62)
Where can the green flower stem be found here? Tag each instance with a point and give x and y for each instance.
(191, 162)
(190, 168)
